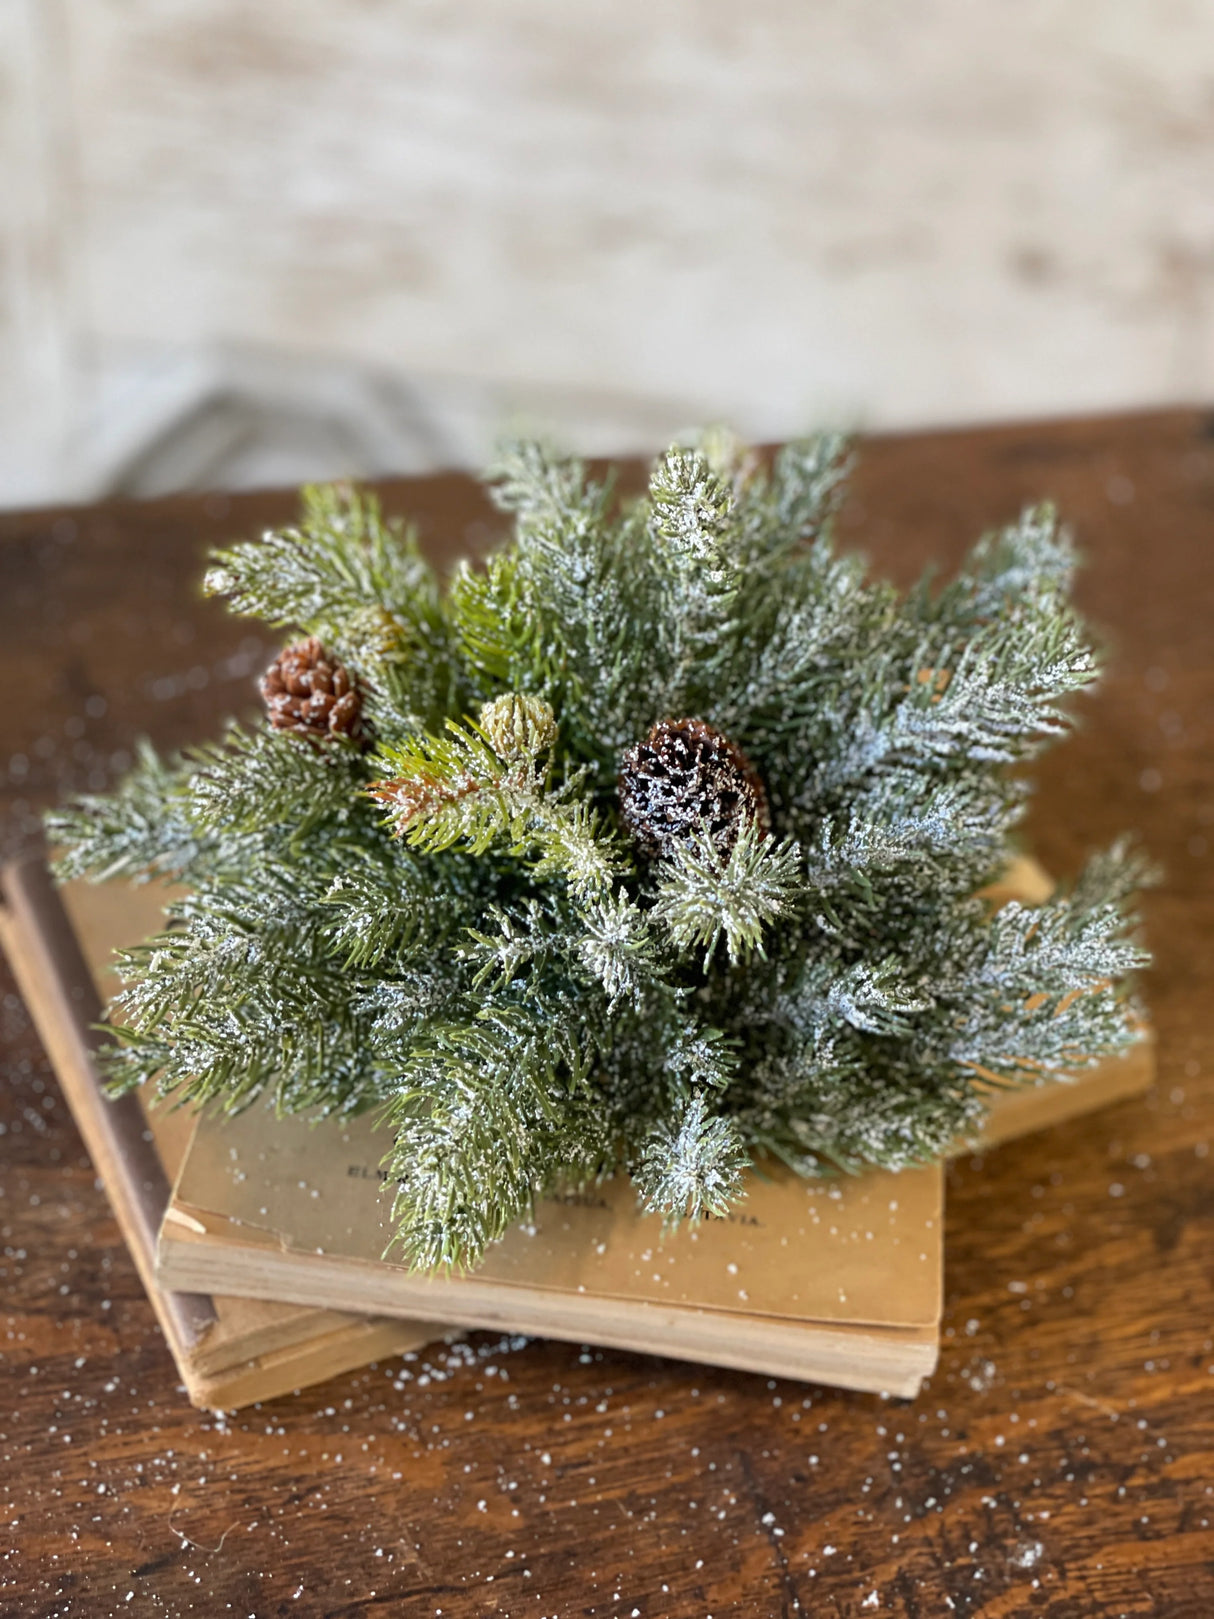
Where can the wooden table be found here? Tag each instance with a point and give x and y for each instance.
(1060, 1462)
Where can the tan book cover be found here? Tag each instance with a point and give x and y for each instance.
(230, 1351)
(283, 1209)
(838, 1282)
(835, 1282)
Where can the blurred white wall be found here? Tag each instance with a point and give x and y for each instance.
(244, 242)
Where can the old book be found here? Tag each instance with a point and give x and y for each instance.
(269, 1208)
(835, 1282)
(230, 1351)
(838, 1282)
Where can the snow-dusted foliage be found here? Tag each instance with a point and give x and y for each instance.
(445, 918)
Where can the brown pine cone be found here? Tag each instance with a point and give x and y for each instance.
(685, 776)
(308, 692)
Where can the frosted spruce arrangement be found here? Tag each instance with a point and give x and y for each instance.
(653, 846)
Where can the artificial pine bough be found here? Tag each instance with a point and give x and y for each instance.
(655, 845)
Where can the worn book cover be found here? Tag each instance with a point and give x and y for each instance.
(835, 1281)
(838, 1282)
(230, 1351)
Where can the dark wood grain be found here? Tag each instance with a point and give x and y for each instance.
(1061, 1461)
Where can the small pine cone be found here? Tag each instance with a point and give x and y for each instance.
(519, 727)
(685, 775)
(307, 691)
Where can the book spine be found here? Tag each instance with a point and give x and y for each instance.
(58, 989)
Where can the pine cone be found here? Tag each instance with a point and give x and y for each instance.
(685, 775)
(519, 727)
(307, 691)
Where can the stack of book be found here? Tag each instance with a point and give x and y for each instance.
(261, 1239)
